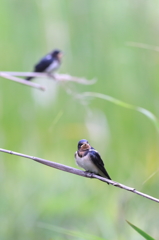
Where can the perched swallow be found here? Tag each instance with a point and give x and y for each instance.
(49, 63)
(89, 159)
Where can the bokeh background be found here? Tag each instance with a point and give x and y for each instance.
(34, 199)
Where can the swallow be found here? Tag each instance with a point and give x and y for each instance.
(88, 158)
(49, 63)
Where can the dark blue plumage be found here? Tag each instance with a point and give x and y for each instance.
(89, 159)
(49, 63)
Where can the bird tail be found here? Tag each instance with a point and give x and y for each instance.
(107, 176)
(29, 78)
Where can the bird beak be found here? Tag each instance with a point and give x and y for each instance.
(85, 146)
(60, 55)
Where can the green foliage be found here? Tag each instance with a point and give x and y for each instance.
(93, 35)
(147, 113)
(141, 232)
(63, 231)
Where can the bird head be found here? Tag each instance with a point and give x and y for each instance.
(57, 54)
(83, 145)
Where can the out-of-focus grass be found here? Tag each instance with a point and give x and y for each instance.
(93, 35)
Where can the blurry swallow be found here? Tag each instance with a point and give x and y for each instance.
(89, 159)
(49, 63)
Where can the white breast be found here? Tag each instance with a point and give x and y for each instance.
(53, 66)
(86, 163)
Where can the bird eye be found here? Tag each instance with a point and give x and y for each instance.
(80, 144)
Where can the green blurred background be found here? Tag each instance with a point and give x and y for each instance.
(93, 35)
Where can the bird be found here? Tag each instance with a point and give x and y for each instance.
(88, 158)
(49, 63)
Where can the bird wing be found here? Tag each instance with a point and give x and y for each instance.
(96, 159)
(43, 64)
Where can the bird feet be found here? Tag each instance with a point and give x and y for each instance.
(51, 75)
(89, 174)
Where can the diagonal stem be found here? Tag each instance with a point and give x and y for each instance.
(80, 173)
